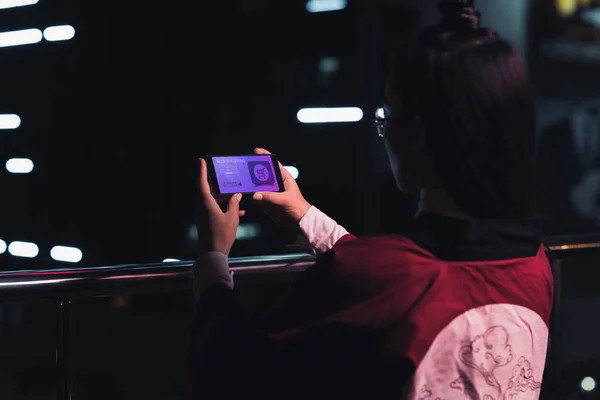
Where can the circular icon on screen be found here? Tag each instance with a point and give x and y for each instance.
(261, 173)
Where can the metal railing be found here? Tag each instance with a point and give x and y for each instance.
(563, 245)
(71, 283)
(65, 285)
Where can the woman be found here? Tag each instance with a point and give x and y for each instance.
(456, 307)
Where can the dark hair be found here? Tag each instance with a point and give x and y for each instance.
(471, 90)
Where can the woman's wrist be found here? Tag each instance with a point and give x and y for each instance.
(301, 212)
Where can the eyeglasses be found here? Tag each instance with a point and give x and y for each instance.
(381, 121)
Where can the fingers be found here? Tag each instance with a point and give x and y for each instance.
(205, 194)
(259, 150)
(269, 198)
(241, 213)
(233, 208)
(204, 186)
(284, 172)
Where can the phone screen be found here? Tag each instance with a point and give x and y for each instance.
(247, 174)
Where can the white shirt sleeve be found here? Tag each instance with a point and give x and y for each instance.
(211, 268)
(319, 233)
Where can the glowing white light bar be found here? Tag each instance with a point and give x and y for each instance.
(2, 246)
(9, 121)
(19, 38)
(248, 231)
(293, 171)
(58, 33)
(23, 249)
(16, 3)
(316, 6)
(166, 260)
(588, 384)
(329, 115)
(66, 254)
(19, 165)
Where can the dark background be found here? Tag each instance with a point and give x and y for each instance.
(116, 118)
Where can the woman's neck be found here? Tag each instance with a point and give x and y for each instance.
(438, 201)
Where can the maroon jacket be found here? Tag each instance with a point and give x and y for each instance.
(449, 310)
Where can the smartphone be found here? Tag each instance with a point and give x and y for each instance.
(244, 174)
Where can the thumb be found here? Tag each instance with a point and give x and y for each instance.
(259, 150)
(233, 207)
(275, 198)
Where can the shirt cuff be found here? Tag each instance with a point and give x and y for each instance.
(319, 232)
(211, 268)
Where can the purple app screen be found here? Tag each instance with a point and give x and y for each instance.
(245, 174)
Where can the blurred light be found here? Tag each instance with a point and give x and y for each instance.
(329, 115)
(248, 231)
(566, 8)
(16, 3)
(193, 233)
(18, 38)
(19, 165)
(293, 171)
(591, 16)
(315, 6)
(329, 65)
(23, 249)
(120, 301)
(2, 246)
(588, 384)
(66, 254)
(9, 121)
(166, 260)
(58, 33)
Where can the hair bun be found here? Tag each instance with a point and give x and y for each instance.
(459, 14)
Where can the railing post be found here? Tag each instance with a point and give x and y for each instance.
(63, 350)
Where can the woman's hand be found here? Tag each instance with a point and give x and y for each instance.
(216, 228)
(286, 208)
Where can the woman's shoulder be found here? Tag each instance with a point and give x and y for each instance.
(383, 246)
(384, 256)
(367, 268)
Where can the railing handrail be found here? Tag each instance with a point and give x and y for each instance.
(568, 243)
(68, 283)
